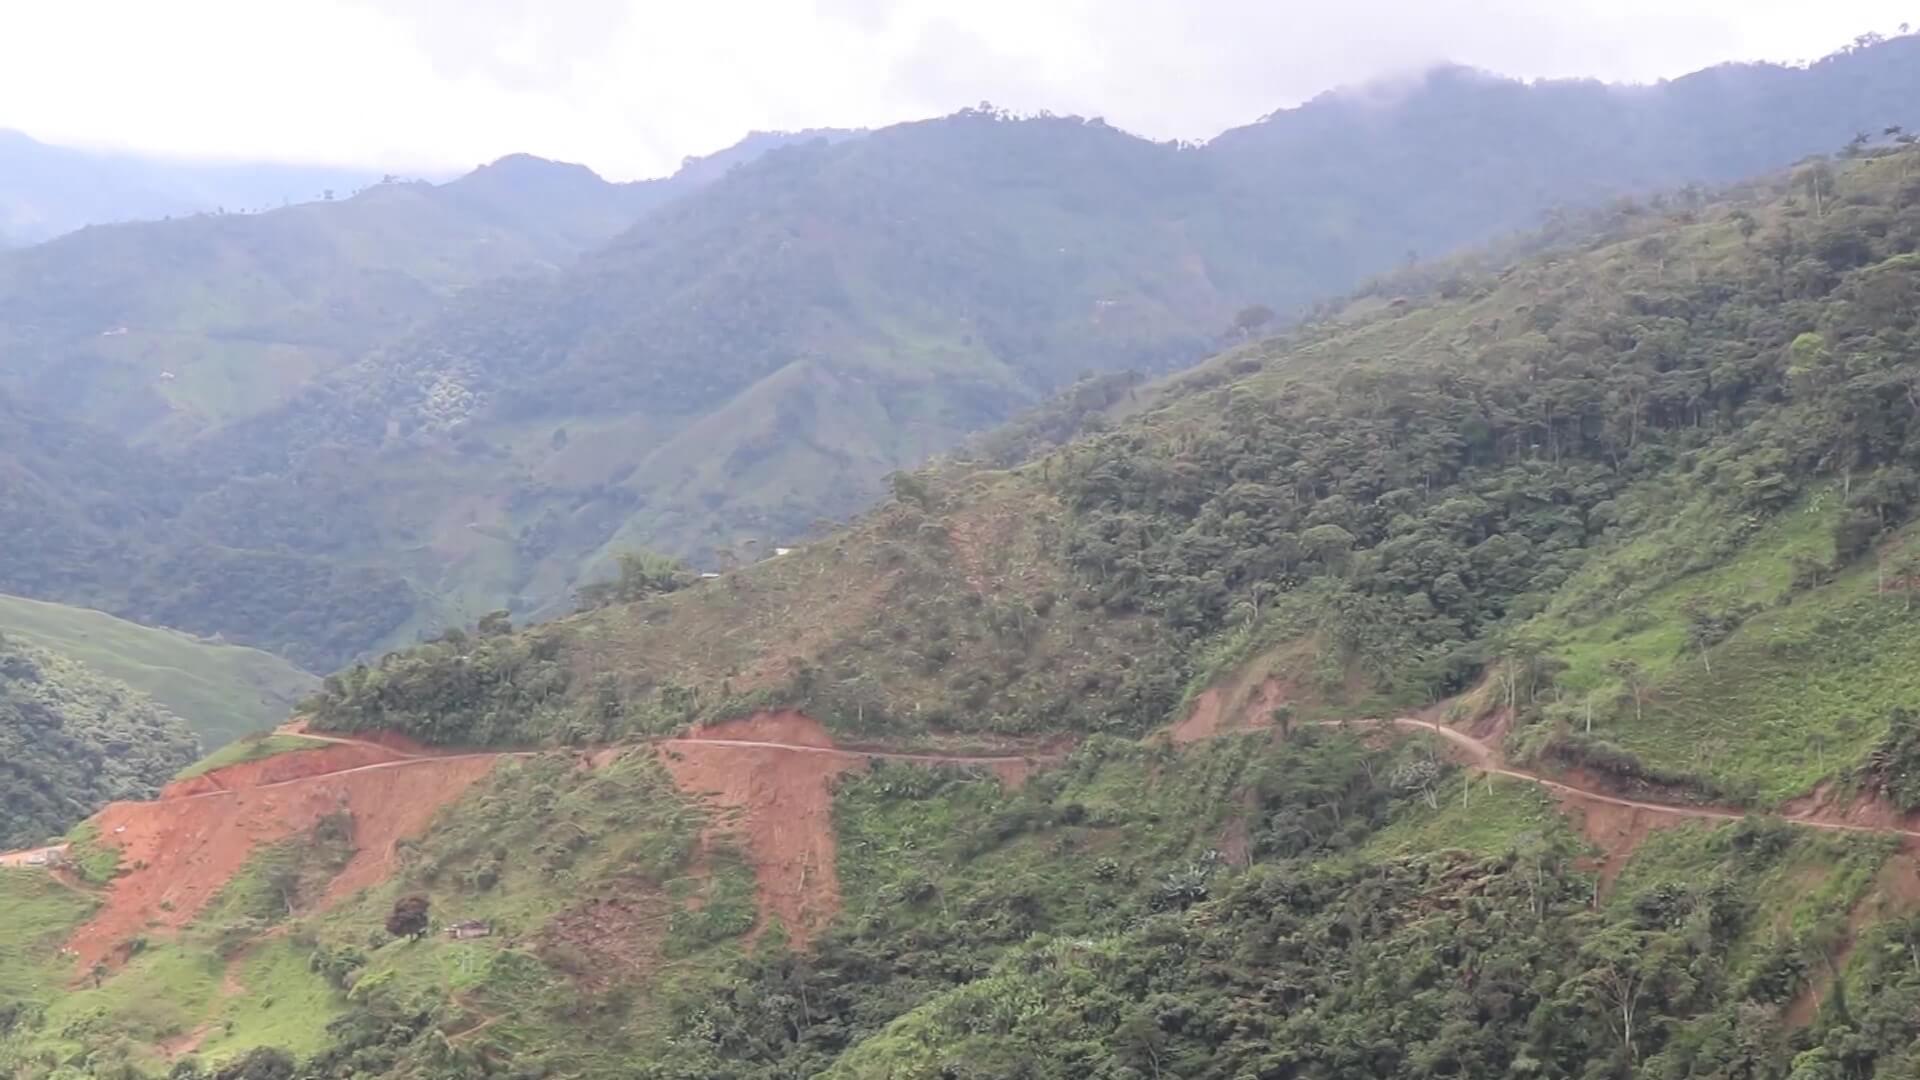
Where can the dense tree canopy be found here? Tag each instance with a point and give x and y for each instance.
(72, 740)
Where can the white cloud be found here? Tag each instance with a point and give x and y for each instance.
(630, 86)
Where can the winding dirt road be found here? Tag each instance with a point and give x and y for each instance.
(1479, 754)
(1487, 759)
(407, 761)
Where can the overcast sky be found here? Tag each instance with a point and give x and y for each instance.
(631, 86)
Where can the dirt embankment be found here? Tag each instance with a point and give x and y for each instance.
(177, 853)
(1616, 831)
(771, 777)
(293, 765)
(33, 858)
(1246, 697)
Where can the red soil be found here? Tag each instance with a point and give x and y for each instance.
(1895, 892)
(294, 765)
(1616, 823)
(177, 853)
(1860, 809)
(1618, 831)
(600, 943)
(1234, 707)
(400, 744)
(772, 775)
(777, 802)
(786, 727)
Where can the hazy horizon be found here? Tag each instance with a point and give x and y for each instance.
(434, 88)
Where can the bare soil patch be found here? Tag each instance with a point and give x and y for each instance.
(771, 777)
(293, 765)
(177, 853)
(779, 804)
(608, 941)
(1618, 831)
(1236, 706)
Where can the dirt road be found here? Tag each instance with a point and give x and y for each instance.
(1487, 759)
(33, 857)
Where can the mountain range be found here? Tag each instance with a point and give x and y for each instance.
(1504, 671)
(338, 427)
(49, 190)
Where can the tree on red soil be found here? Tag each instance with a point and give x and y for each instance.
(409, 917)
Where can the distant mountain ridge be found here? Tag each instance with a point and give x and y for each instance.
(220, 691)
(162, 329)
(49, 190)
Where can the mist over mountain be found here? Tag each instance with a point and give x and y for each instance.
(49, 190)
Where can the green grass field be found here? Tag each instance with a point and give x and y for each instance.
(222, 691)
(1797, 693)
(36, 912)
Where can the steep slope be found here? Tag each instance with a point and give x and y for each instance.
(71, 740)
(1469, 498)
(1405, 485)
(164, 329)
(116, 338)
(759, 356)
(221, 691)
(1457, 156)
(91, 520)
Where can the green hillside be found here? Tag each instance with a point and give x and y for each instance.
(251, 307)
(373, 430)
(838, 311)
(164, 330)
(222, 691)
(1711, 388)
(1641, 501)
(119, 344)
(71, 740)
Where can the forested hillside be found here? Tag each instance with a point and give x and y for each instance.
(120, 344)
(1416, 488)
(71, 740)
(222, 691)
(755, 356)
(1632, 515)
(162, 330)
